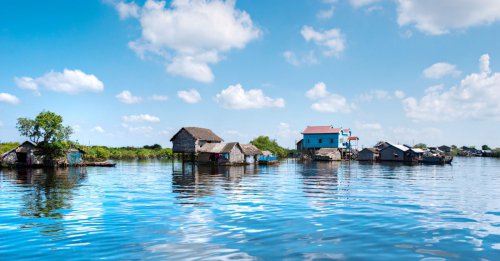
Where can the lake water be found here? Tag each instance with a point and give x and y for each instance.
(151, 210)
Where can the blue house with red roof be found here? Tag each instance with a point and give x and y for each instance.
(318, 137)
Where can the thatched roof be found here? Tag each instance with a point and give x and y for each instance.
(267, 153)
(326, 151)
(250, 150)
(219, 147)
(373, 150)
(200, 134)
(23, 147)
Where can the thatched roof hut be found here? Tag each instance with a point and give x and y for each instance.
(191, 139)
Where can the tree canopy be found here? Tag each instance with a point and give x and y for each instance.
(485, 147)
(47, 131)
(265, 143)
(420, 146)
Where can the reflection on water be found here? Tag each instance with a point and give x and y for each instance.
(319, 210)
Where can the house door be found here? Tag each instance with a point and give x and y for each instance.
(21, 157)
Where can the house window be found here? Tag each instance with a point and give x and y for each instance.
(307, 140)
(331, 141)
(320, 141)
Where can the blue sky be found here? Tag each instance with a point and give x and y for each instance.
(132, 73)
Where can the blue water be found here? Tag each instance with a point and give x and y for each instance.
(151, 210)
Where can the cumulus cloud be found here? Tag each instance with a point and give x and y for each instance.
(399, 94)
(293, 59)
(440, 70)
(326, 101)
(326, 13)
(126, 10)
(475, 97)
(157, 97)
(8, 98)
(191, 34)
(439, 17)
(27, 83)
(235, 97)
(127, 97)
(362, 3)
(97, 129)
(140, 118)
(368, 126)
(189, 96)
(332, 41)
(68, 81)
(375, 95)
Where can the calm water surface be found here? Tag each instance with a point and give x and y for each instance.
(151, 210)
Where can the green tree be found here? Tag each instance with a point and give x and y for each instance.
(420, 146)
(265, 143)
(485, 147)
(47, 131)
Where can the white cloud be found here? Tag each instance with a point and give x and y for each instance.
(399, 94)
(362, 3)
(68, 81)
(27, 83)
(332, 41)
(235, 97)
(8, 98)
(475, 97)
(189, 96)
(140, 129)
(375, 95)
(192, 34)
(97, 129)
(439, 17)
(440, 70)
(292, 58)
(127, 97)
(1, 123)
(326, 101)
(369, 126)
(140, 118)
(326, 13)
(157, 97)
(126, 10)
(287, 136)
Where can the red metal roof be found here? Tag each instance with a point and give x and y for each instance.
(320, 130)
(352, 138)
(346, 130)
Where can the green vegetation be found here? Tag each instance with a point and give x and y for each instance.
(420, 146)
(4, 147)
(48, 132)
(101, 153)
(265, 143)
(485, 147)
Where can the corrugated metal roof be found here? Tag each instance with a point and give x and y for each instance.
(353, 138)
(320, 130)
(218, 147)
(400, 147)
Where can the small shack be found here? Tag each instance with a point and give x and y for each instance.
(229, 153)
(393, 152)
(26, 154)
(251, 153)
(368, 154)
(75, 156)
(327, 154)
(189, 140)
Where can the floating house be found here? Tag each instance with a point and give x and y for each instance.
(189, 140)
(444, 148)
(401, 153)
(26, 154)
(74, 156)
(267, 158)
(300, 145)
(368, 154)
(229, 153)
(393, 152)
(251, 153)
(318, 137)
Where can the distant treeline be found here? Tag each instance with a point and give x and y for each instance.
(97, 153)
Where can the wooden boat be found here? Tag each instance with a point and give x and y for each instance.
(268, 160)
(101, 164)
(436, 159)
